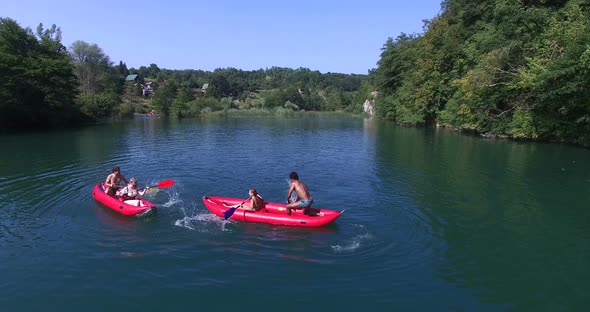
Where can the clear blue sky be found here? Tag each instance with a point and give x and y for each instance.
(330, 36)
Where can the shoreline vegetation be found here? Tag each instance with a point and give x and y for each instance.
(516, 70)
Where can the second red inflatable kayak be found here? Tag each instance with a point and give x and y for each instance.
(271, 213)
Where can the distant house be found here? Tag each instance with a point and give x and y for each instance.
(148, 89)
(200, 91)
(131, 77)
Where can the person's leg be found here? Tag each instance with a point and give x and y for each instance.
(291, 206)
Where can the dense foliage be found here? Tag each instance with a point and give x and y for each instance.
(38, 86)
(266, 89)
(513, 68)
(46, 85)
(519, 69)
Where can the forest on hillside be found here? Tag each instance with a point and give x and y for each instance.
(509, 68)
(518, 69)
(180, 92)
(46, 84)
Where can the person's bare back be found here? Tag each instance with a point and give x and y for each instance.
(300, 189)
(303, 199)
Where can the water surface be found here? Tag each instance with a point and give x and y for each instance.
(434, 220)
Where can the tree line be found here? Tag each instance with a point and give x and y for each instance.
(274, 89)
(511, 68)
(508, 68)
(46, 84)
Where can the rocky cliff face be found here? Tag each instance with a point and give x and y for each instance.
(369, 105)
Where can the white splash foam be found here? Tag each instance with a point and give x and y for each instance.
(354, 243)
(198, 222)
(172, 200)
(184, 222)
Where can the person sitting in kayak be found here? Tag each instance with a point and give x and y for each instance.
(303, 199)
(130, 191)
(111, 184)
(256, 201)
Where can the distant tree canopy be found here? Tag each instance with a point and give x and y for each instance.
(43, 85)
(231, 81)
(38, 87)
(512, 68)
(292, 89)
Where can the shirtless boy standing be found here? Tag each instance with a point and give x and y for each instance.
(303, 199)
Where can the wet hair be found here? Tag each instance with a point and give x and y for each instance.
(293, 176)
(116, 168)
(253, 190)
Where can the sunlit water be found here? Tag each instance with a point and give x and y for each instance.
(434, 220)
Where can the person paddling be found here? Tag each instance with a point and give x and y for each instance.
(130, 191)
(255, 201)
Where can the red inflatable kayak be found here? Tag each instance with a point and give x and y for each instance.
(133, 207)
(271, 213)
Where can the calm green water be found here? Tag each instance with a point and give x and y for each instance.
(434, 221)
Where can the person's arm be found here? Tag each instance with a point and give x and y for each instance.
(142, 191)
(122, 191)
(291, 188)
(123, 178)
(107, 183)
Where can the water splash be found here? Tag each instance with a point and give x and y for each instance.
(173, 199)
(198, 222)
(354, 243)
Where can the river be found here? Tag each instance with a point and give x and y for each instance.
(434, 220)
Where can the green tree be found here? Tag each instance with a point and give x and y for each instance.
(38, 87)
(219, 87)
(180, 107)
(93, 67)
(164, 97)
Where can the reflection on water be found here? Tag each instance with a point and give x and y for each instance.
(495, 216)
(434, 220)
